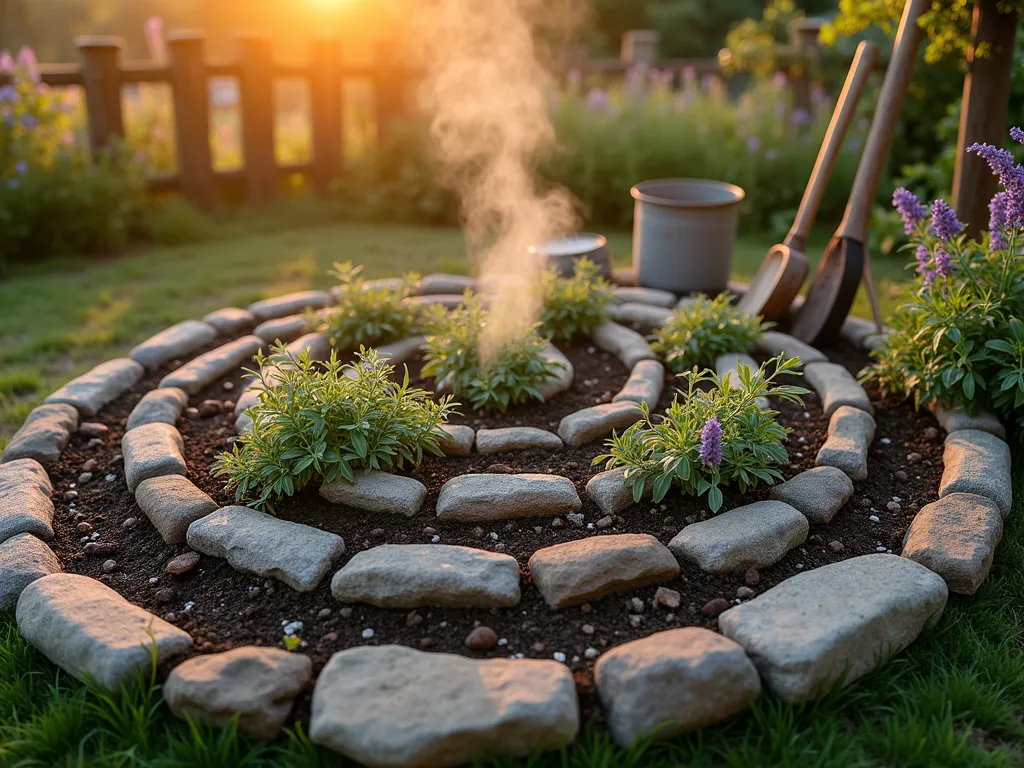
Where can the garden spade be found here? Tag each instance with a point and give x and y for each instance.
(784, 269)
(834, 286)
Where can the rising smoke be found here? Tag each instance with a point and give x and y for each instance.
(485, 91)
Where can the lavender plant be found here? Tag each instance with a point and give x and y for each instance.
(575, 305)
(710, 437)
(959, 338)
(702, 330)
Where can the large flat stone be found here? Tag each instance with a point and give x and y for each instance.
(483, 498)
(956, 537)
(609, 491)
(625, 343)
(196, 375)
(283, 329)
(90, 631)
(836, 387)
(152, 450)
(231, 320)
(317, 345)
(644, 384)
(977, 462)
(172, 343)
(25, 505)
(641, 315)
(257, 684)
(753, 536)
(440, 282)
(255, 542)
(23, 559)
(579, 571)
(391, 706)
(45, 433)
(490, 441)
(650, 296)
(836, 622)
(377, 491)
(420, 575)
(672, 682)
(850, 432)
(955, 419)
(817, 493)
(773, 343)
(289, 304)
(172, 503)
(586, 424)
(561, 379)
(158, 406)
(91, 391)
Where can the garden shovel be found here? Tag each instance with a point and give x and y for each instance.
(834, 286)
(785, 268)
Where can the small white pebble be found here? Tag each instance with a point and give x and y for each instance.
(189, 605)
(886, 441)
(873, 518)
(591, 653)
(110, 478)
(807, 414)
(95, 535)
(154, 580)
(502, 641)
(590, 526)
(889, 551)
(492, 536)
(367, 633)
(879, 549)
(798, 455)
(802, 439)
(799, 565)
(293, 627)
(435, 539)
(558, 656)
(575, 659)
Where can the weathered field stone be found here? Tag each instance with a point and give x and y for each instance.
(445, 284)
(625, 343)
(836, 387)
(729, 365)
(651, 296)
(561, 379)
(25, 505)
(642, 315)
(152, 450)
(257, 684)
(289, 304)
(196, 375)
(231, 320)
(586, 569)
(91, 391)
(421, 575)
(90, 631)
(490, 441)
(377, 491)
(158, 406)
(837, 622)
(481, 498)
(282, 329)
(402, 351)
(644, 384)
(956, 537)
(446, 300)
(856, 329)
(753, 536)
(773, 343)
(172, 503)
(957, 418)
(817, 493)
(588, 424)
(875, 341)
(23, 559)
(255, 542)
(850, 432)
(672, 682)
(318, 345)
(45, 433)
(459, 441)
(977, 462)
(172, 343)
(609, 491)
(391, 706)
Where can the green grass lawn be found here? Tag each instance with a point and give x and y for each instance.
(955, 699)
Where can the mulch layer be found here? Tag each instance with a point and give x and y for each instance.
(222, 608)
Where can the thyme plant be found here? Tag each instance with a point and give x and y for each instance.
(365, 314)
(575, 306)
(701, 330)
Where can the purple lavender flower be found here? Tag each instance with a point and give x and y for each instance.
(21, 167)
(943, 263)
(8, 93)
(800, 117)
(1017, 134)
(711, 442)
(924, 259)
(597, 99)
(909, 208)
(29, 122)
(27, 60)
(945, 224)
(997, 221)
(753, 144)
(13, 183)
(1011, 177)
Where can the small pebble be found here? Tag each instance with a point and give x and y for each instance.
(427, 642)
(538, 647)
(346, 612)
(183, 563)
(588, 629)
(635, 621)
(605, 522)
(367, 633)
(109, 566)
(69, 495)
(558, 523)
(90, 465)
(591, 653)
(154, 580)
(745, 593)
(94, 443)
(84, 528)
(836, 546)
(913, 458)
(901, 475)
(129, 523)
(558, 656)
(164, 595)
(893, 506)
(635, 605)
(886, 441)
(879, 549)
(228, 386)
(428, 531)
(93, 429)
(667, 598)
(413, 619)
(481, 639)
(330, 637)
(873, 518)
(931, 433)
(110, 478)
(377, 533)
(492, 536)
(84, 478)
(479, 533)
(434, 539)
(713, 608)
(752, 577)
(324, 613)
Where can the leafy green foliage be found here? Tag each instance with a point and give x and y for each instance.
(367, 314)
(703, 329)
(576, 305)
(453, 359)
(659, 453)
(328, 421)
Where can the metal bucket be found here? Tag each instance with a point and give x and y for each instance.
(564, 252)
(684, 231)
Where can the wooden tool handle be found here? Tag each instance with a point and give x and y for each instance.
(887, 114)
(842, 116)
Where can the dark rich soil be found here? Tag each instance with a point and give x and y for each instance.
(222, 608)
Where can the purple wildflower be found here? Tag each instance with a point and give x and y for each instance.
(943, 263)
(1011, 177)
(29, 122)
(780, 80)
(711, 442)
(597, 99)
(1017, 134)
(8, 93)
(997, 221)
(945, 224)
(909, 208)
(924, 259)
(753, 144)
(689, 73)
(800, 117)
(6, 62)
(13, 183)
(27, 60)
(21, 167)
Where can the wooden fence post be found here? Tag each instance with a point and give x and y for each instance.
(192, 117)
(256, 84)
(101, 77)
(325, 93)
(640, 46)
(388, 86)
(803, 37)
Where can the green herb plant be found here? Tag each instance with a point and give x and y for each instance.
(673, 450)
(366, 314)
(703, 329)
(328, 421)
(452, 355)
(575, 306)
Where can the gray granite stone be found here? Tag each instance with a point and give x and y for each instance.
(208, 368)
(609, 491)
(490, 441)
(818, 493)
(23, 559)
(459, 441)
(651, 296)
(488, 497)
(377, 491)
(445, 284)
(446, 300)
(561, 379)
(25, 505)
(283, 329)
(172, 503)
(729, 365)
(773, 343)
(173, 343)
(91, 391)
(641, 315)
(289, 304)
(318, 345)
(836, 387)
(152, 450)
(850, 432)
(580, 427)
(626, 344)
(957, 418)
(977, 462)
(158, 406)
(231, 320)
(44, 434)
(644, 384)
